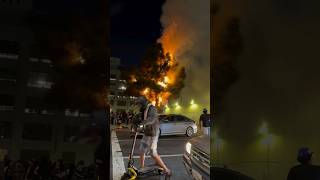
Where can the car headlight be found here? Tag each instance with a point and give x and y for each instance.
(188, 148)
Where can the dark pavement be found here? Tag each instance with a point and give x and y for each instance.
(170, 149)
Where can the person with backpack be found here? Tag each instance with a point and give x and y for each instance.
(149, 142)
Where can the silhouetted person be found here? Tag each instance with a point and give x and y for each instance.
(304, 171)
(19, 170)
(205, 122)
(8, 170)
(79, 171)
(59, 172)
(44, 168)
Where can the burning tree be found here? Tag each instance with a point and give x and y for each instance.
(158, 77)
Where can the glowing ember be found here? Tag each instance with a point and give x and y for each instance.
(162, 84)
(145, 92)
(166, 79)
(133, 79)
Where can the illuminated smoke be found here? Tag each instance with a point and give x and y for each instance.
(279, 85)
(186, 35)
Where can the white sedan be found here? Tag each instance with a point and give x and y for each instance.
(177, 125)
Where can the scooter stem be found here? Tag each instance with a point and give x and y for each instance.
(133, 145)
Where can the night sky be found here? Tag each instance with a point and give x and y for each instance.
(135, 26)
(62, 7)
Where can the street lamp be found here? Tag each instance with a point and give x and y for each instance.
(267, 140)
(178, 107)
(193, 105)
(167, 109)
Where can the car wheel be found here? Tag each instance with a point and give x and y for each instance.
(189, 131)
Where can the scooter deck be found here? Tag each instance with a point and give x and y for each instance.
(150, 171)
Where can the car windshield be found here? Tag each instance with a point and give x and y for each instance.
(183, 118)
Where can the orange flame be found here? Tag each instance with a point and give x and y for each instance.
(171, 42)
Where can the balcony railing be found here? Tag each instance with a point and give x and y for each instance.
(9, 56)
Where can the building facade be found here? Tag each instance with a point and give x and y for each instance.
(119, 101)
(28, 127)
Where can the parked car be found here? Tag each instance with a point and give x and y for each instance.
(197, 162)
(177, 125)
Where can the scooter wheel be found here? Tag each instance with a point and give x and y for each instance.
(160, 171)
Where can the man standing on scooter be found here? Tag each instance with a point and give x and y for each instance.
(149, 141)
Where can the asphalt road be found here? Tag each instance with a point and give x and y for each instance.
(170, 149)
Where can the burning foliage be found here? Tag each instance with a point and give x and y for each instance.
(159, 77)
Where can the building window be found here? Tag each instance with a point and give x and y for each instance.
(70, 112)
(8, 75)
(132, 103)
(114, 66)
(5, 130)
(113, 76)
(121, 103)
(46, 61)
(6, 102)
(113, 83)
(70, 133)
(39, 80)
(9, 49)
(35, 105)
(85, 114)
(122, 87)
(37, 131)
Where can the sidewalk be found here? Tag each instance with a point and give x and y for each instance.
(114, 127)
(118, 167)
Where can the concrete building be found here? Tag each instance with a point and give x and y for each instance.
(119, 101)
(28, 127)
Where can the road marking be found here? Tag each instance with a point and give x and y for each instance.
(117, 158)
(126, 140)
(168, 155)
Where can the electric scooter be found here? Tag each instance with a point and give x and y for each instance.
(132, 172)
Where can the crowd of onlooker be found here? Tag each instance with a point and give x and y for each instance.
(129, 119)
(46, 170)
(118, 118)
